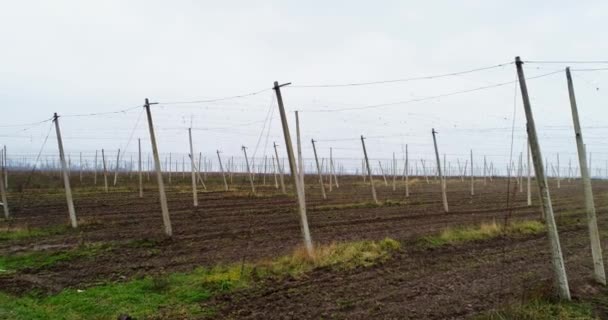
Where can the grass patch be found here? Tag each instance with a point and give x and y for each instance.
(340, 256)
(359, 205)
(484, 231)
(179, 295)
(542, 309)
(7, 233)
(43, 259)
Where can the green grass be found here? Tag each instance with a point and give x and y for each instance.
(359, 205)
(458, 235)
(26, 233)
(542, 309)
(179, 295)
(43, 259)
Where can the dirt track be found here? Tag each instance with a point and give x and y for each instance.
(451, 282)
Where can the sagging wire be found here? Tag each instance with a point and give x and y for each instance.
(354, 84)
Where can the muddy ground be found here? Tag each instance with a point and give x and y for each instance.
(228, 227)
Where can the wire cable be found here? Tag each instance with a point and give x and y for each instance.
(354, 84)
(443, 95)
(217, 99)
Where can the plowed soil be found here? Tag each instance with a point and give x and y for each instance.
(228, 227)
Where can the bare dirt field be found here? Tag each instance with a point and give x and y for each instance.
(417, 282)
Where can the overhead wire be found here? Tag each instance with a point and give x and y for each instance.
(354, 84)
(217, 99)
(389, 104)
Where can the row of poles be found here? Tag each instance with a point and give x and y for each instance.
(297, 170)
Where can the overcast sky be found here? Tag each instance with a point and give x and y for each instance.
(81, 57)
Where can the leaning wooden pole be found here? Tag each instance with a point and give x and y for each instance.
(248, 170)
(192, 170)
(105, 171)
(299, 144)
(444, 195)
(219, 159)
(281, 179)
(369, 172)
(529, 182)
(3, 196)
(292, 166)
(472, 176)
(596, 248)
(66, 179)
(557, 259)
(139, 172)
(314, 149)
(159, 173)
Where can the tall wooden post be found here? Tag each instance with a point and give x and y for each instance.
(274, 171)
(66, 179)
(139, 172)
(529, 168)
(95, 169)
(116, 168)
(292, 166)
(472, 175)
(330, 169)
(369, 171)
(280, 169)
(5, 167)
(444, 195)
(407, 169)
(105, 171)
(192, 170)
(556, 251)
(300, 160)
(80, 166)
(558, 173)
(596, 248)
(219, 159)
(248, 169)
(159, 174)
(3, 196)
(314, 149)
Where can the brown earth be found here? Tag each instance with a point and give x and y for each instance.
(227, 227)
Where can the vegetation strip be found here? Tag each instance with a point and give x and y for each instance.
(179, 295)
(451, 236)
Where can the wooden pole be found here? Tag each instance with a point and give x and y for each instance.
(192, 171)
(529, 168)
(444, 195)
(299, 143)
(407, 168)
(330, 169)
(369, 171)
(3, 196)
(382, 172)
(105, 171)
(222, 169)
(66, 179)
(556, 252)
(472, 176)
(294, 172)
(314, 149)
(280, 169)
(249, 170)
(596, 248)
(139, 172)
(274, 171)
(80, 165)
(95, 170)
(116, 168)
(159, 174)
(558, 174)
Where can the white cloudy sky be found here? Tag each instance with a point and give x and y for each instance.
(81, 57)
